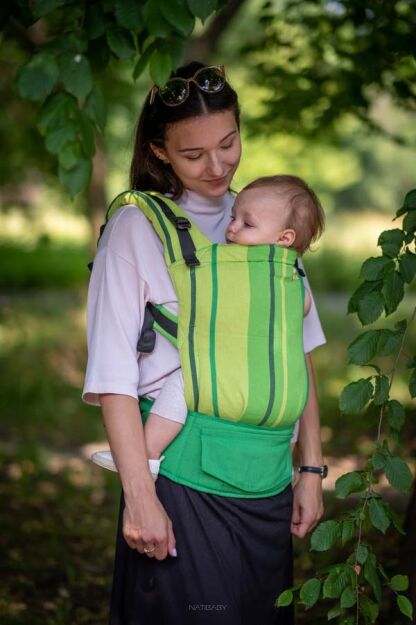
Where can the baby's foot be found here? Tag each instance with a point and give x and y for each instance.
(105, 459)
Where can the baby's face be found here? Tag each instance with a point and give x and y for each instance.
(259, 217)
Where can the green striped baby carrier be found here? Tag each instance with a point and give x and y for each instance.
(239, 333)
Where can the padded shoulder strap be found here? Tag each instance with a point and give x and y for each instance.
(180, 237)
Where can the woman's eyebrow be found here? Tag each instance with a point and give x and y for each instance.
(233, 132)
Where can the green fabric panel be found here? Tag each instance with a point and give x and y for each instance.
(227, 459)
(258, 335)
(212, 330)
(230, 331)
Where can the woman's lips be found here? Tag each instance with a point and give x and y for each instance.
(217, 180)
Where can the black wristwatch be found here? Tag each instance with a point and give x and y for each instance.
(322, 470)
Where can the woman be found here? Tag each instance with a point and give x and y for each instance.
(184, 556)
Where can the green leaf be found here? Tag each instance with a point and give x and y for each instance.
(361, 553)
(95, 107)
(408, 204)
(86, 135)
(364, 289)
(43, 7)
(57, 110)
(396, 414)
(325, 535)
(202, 8)
(335, 583)
(364, 347)
(58, 139)
(143, 61)
(381, 393)
(37, 78)
(369, 608)
(76, 74)
(77, 178)
(285, 598)
(355, 396)
(349, 483)
(177, 13)
(379, 459)
(309, 592)
(348, 597)
(399, 583)
(387, 342)
(391, 242)
(334, 613)
(398, 473)
(154, 20)
(405, 606)
(370, 574)
(160, 66)
(129, 14)
(407, 266)
(409, 222)
(378, 516)
(121, 42)
(375, 268)
(393, 291)
(370, 307)
(69, 156)
(348, 527)
(412, 384)
(96, 22)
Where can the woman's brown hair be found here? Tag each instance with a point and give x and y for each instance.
(147, 172)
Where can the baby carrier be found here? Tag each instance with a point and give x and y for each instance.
(239, 333)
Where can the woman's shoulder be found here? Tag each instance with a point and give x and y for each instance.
(129, 234)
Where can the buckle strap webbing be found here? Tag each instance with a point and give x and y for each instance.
(155, 319)
(182, 226)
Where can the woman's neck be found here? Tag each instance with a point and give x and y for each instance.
(195, 204)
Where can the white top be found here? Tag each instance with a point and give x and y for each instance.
(129, 270)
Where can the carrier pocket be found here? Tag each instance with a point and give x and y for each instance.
(250, 462)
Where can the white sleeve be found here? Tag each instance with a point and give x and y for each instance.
(313, 335)
(170, 402)
(115, 308)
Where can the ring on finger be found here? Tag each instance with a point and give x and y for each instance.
(146, 550)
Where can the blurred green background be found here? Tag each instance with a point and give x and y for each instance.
(59, 512)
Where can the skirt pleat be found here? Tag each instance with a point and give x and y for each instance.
(234, 559)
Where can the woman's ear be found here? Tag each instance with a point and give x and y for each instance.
(286, 237)
(159, 152)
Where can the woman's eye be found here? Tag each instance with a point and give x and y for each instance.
(194, 157)
(226, 147)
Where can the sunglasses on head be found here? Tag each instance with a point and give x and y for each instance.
(208, 79)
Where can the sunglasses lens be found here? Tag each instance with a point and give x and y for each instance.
(174, 92)
(210, 79)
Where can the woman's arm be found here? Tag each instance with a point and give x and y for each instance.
(145, 521)
(307, 502)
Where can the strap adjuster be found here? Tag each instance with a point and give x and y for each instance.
(182, 223)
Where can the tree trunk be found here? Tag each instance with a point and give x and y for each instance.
(96, 196)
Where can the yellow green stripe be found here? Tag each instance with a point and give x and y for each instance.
(212, 329)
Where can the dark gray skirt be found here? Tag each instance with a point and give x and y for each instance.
(234, 559)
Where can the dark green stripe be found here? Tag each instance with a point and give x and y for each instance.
(214, 269)
(271, 336)
(161, 221)
(191, 338)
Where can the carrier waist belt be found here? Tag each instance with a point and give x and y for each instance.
(226, 458)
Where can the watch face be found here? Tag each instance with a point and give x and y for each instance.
(324, 470)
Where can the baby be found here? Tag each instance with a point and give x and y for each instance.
(279, 210)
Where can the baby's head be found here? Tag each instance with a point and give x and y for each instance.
(276, 209)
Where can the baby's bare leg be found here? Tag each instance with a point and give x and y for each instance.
(159, 433)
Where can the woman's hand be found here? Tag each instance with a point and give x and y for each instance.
(307, 504)
(147, 526)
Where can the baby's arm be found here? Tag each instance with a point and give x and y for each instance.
(167, 416)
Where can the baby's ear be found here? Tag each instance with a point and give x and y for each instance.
(286, 237)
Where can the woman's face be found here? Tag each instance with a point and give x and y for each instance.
(204, 152)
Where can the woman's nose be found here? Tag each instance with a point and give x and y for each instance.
(215, 165)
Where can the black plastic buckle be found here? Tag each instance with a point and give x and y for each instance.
(182, 223)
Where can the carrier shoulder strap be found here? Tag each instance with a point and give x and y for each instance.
(170, 223)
